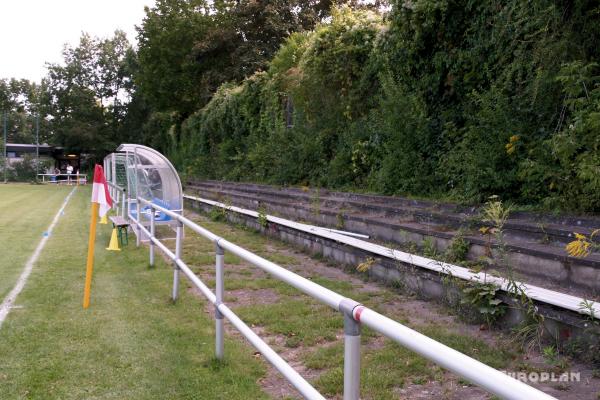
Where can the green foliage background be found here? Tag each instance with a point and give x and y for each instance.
(451, 99)
(454, 99)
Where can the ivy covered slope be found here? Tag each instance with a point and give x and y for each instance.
(455, 99)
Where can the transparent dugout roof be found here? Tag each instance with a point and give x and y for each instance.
(149, 175)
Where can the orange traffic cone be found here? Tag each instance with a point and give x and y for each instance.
(114, 241)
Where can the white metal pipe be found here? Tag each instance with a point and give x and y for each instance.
(164, 248)
(152, 231)
(219, 338)
(319, 292)
(476, 372)
(124, 204)
(178, 240)
(138, 238)
(219, 289)
(158, 243)
(113, 169)
(196, 281)
(138, 205)
(307, 391)
(351, 367)
(185, 221)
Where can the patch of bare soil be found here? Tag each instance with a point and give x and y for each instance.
(273, 383)
(243, 297)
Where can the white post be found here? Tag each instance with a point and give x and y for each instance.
(115, 196)
(124, 203)
(219, 300)
(351, 351)
(178, 239)
(113, 169)
(137, 219)
(137, 198)
(151, 236)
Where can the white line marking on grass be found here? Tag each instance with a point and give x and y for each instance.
(7, 304)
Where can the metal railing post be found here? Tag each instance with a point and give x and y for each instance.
(137, 220)
(351, 350)
(124, 210)
(151, 236)
(219, 299)
(178, 238)
(116, 195)
(119, 202)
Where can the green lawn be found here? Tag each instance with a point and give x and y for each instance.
(25, 213)
(132, 343)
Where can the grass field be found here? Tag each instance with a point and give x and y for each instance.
(25, 213)
(132, 343)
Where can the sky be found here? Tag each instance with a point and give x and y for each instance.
(33, 32)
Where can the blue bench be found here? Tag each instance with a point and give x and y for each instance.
(159, 216)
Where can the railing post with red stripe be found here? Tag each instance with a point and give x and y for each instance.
(351, 350)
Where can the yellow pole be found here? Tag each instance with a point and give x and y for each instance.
(90, 257)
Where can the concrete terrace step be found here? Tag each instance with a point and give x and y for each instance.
(522, 225)
(581, 221)
(532, 252)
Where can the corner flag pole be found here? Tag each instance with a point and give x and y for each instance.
(90, 256)
(101, 203)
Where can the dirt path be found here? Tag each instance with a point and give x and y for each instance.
(389, 372)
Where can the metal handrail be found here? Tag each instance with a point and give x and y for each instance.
(355, 315)
(70, 177)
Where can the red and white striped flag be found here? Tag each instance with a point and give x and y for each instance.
(100, 192)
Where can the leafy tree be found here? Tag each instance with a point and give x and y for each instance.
(168, 75)
(188, 48)
(87, 92)
(23, 101)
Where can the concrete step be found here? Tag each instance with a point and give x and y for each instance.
(544, 228)
(528, 251)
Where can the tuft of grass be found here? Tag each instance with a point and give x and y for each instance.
(325, 358)
(302, 322)
(458, 249)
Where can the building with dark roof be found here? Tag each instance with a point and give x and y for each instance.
(17, 152)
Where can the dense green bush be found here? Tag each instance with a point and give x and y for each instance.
(441, 98)
(24, 170)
